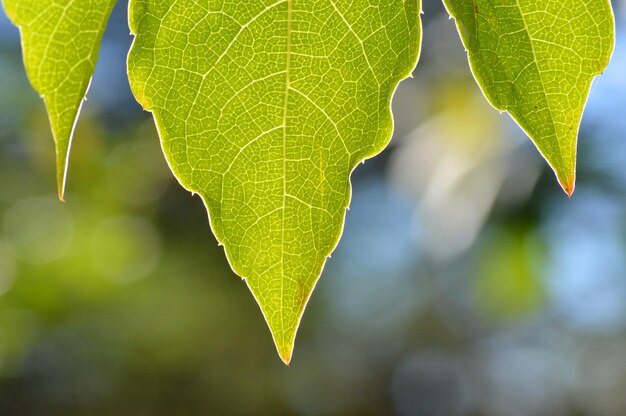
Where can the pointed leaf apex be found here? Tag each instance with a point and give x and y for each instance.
(285, 353)
(568, 184)
(61, 176)
(284, 341)
(283, 323)
(61, 193)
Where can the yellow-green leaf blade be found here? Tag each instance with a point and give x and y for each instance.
(536, 60)
(60, 43)
(264, 108)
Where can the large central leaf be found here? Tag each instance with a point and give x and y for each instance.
(264, 108)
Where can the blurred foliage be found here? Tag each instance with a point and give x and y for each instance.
(507, 275)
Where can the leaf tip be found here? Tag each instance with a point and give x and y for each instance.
(284, 347)
(285, 340)
(285, 354)
(61, 195)
(61, 167)
(568, 184)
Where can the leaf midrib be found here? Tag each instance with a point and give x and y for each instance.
(543, 85)
(285, 110)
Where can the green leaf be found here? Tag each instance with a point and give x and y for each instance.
(536, 60)
(60, 43)
(264, 108)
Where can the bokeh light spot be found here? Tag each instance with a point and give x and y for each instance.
(125, 249)
(39, 230)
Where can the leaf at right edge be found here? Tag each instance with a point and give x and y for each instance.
(264, 108)
(60, 44)
(536, 59)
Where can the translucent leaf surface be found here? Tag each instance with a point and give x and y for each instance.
(264, 108)
(60, 43)
(536, 60)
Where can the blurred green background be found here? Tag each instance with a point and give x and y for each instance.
(466, 283)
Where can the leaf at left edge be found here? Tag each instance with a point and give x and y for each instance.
(60, 44)
(264, 108)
